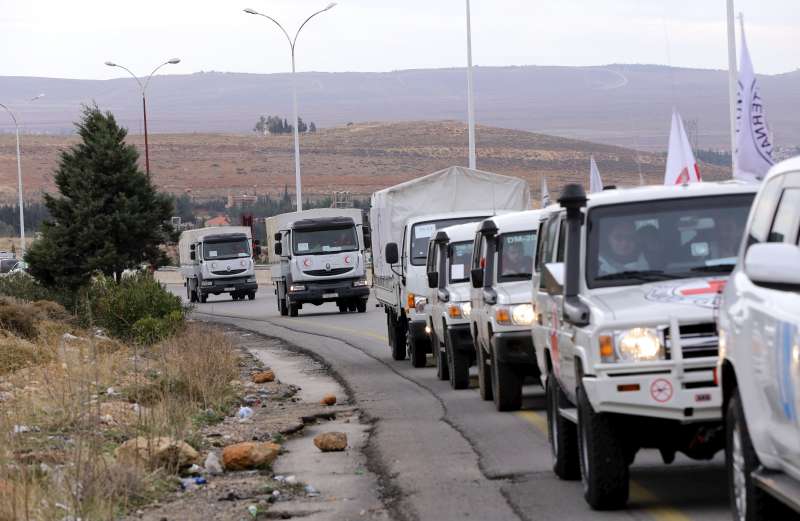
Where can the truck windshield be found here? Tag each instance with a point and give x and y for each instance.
(217, 250)
(330, 240)
(421, 234)
(648, 241)
(460, 254)
(515, 255)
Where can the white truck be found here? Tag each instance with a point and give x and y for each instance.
(502, 313)
(624, 330)
(759, 359)
(404, 218)
(448, 264)
(218, 260)
(317, 256)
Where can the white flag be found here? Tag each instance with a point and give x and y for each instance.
(545, 193)
(595, 183)
(681, 165)
(753, 143)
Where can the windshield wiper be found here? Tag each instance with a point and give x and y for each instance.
(716, 268)
(643, 275)
(520, 274)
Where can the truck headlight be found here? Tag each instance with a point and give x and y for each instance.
(419, 304)
(207, 283)
(639, 344)
(297, 287)
(518, 315)
(360, 283)
(251, 279)
(459, 309)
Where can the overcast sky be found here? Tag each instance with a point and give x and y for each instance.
(72, 39)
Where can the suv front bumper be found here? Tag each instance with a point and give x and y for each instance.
(460, 337)
(514, 347)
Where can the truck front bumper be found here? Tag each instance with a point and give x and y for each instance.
(688, 396)
(232, 285)
(460, 338)
(514, 347)
(328, 291)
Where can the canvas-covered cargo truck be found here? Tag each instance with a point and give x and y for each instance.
(404, 218)
(317, 256)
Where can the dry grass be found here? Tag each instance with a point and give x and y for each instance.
(62, 416)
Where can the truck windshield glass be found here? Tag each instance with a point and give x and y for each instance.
(331, 240)
(515, 254)
(218, 250)
(648, 241)
(421, 234)
(460, 254)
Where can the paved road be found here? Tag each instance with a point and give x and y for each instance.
(448, 455)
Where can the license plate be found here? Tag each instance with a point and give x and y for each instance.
(330, 295)
(230, 289)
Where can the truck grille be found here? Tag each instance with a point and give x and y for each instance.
(697, 340)
(226, 272)
(326, 273)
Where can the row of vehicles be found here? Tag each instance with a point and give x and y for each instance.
(612, 302)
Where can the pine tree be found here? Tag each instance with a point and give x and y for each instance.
(312, 127)
(107, 215)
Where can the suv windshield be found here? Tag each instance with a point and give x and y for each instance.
(421, 234)
(330, 240)
(460, 254)
(515, 255)
(647, 241)
(217, 250)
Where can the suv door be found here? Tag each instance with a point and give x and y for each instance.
(434, 306)
(546, 308)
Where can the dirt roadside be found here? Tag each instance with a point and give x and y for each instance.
(302, 482)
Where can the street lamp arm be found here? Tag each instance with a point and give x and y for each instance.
(304, 23)
(10, 114)
(147, 81)
(288, 38)
(132, 76)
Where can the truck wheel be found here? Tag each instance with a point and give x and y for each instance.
(192, 296)
(439, 357)
(561, 433)
(397, 337)
(342, 308)
(284, 309)
(351, 306)
(361, 306)
(603, 460)
(251, 295)
(293, 308)
(748, 501)
(418, 356)
(484, 373)
(457, 363)
(506, 385)
(203, 298)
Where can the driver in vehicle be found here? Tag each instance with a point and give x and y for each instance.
(622, 251)
(514, 260)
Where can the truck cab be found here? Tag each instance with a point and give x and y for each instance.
(502, 263)
(448, 264)
(626, 284)
(320, 259)
(759, 362)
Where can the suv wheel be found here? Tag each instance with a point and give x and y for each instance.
(604, 463)
(416, 351)
(458, 364)
(506, 385)
(484, 373)
(561, 433)
(439, 357)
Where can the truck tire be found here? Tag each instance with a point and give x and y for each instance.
(561, 433)
(293, 308)
(352, 306)
(484, 373)
(397, 337)
(439, 357)
(342, 307)
(361, 306)
(417, 353)
(457, 364)
(203, 298)
(603, 459)
(283, 307)
(748, 501)
(251, 295)
(506, 385)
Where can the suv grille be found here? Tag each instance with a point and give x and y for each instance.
(325, 273)
(697, 340)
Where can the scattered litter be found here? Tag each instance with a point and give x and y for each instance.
(291, 480)
(19, 429)
(194, 470)
(190, 483)
(112, 392)
(359, 472)
(69, 337)
(244, 413)
(276, 493)
(212, 464)
(280, 478)
(311, 491)
(253, 510)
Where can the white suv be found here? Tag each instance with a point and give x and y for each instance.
(449, 255)
(759, 366)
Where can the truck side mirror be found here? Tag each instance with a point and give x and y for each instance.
(192, 247)
(367, 240)
(391, 253)
(433, 279)
(277, 236)
(476, 275)
(192, 255)
(278, 248)
(257, 250)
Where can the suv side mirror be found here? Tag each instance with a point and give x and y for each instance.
(553, 276)
(278, 248)
(391, 253)
(476, 275)
(433, 279)
(773, 264)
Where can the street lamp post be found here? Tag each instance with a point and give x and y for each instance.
(470, 96)
(143, 88)
(19, 180)
(292, 42)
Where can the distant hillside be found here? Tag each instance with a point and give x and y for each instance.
(361, 158)
(626, 105)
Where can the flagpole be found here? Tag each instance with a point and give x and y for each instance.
(470, 96)
(732, 83)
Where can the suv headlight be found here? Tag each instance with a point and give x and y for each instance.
(638, 344)
(297, 287)
(360, 283)
(518, 315)
(459, 309)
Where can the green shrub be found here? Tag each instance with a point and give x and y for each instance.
(149, 330)
(25, 287)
